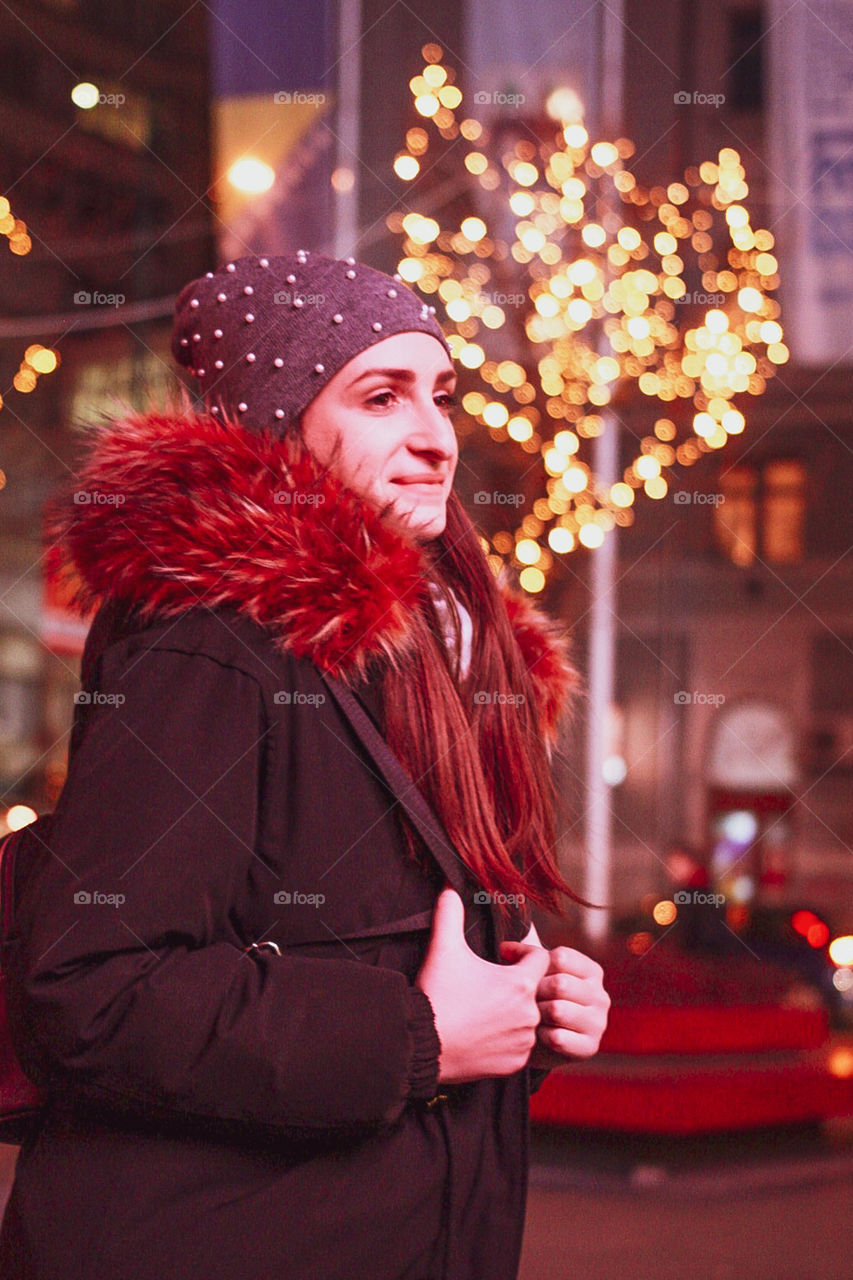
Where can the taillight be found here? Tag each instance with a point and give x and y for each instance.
(841, 951)
(811, 927)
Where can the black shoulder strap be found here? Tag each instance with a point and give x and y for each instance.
(7, 875)
(401, 786)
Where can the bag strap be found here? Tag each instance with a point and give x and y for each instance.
(403, 788)
(7, 875)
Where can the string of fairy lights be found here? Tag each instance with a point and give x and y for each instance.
(569, 290)
(37, 359)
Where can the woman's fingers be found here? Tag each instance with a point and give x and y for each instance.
(567, 1043)
(587, 1019)
(573, 1004)
(565, 986)
(568, 960)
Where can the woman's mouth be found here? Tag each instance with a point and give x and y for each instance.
(427, 483)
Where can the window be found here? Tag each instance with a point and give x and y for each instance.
(735, 516)
(784, 510)
(832, 673)
(122, 117)
(20, 673)
(746, 59)
(140, 377)
(762, 515)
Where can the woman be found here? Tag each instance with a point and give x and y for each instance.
(276, 1045)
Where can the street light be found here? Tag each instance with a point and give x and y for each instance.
(251, 176)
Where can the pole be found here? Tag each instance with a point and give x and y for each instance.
(602, 631)
(348, 118)
(602, 677)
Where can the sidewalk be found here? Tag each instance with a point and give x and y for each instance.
(795, 1233)
(771, 1204)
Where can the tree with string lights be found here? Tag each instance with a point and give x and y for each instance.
(568, 291)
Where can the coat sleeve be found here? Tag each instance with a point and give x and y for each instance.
(129, 984)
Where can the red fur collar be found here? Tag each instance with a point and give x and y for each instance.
(171, 511)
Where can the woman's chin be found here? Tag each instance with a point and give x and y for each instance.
(428, 524)
(420, 522)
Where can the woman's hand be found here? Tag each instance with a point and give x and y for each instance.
(572, 1002)
(485, 1014)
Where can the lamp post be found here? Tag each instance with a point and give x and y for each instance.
(349, 90)
(598, 825)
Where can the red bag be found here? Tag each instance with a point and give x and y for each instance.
(20, 1100)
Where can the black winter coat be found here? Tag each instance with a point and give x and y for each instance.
(218, 1109)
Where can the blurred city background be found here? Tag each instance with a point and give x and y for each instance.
(636, 223)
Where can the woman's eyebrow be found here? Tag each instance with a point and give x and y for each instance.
(401, 375)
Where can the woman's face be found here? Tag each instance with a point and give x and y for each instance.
(390, 407)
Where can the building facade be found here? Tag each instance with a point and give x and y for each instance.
(114, 199)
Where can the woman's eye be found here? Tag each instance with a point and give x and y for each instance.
(384, 400)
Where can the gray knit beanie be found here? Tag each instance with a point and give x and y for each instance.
(264, 335)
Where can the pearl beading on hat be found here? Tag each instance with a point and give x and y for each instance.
(298, 304)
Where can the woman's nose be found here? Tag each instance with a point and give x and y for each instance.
(435, 432)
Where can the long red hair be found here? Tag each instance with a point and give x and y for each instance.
(482, 764)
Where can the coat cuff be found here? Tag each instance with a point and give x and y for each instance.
(423, 1069)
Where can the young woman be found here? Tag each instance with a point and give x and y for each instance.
(275, 1043)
